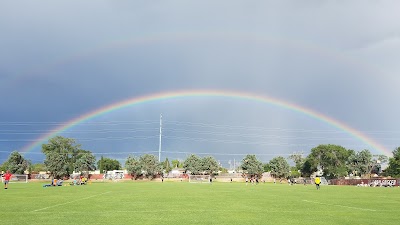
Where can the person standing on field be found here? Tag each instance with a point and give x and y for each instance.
(7, 176)
(317, 181)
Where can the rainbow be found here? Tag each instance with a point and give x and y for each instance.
(206, 93)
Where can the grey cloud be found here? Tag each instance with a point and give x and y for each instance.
(337, 58)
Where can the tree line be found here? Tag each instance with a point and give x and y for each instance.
(65, 155)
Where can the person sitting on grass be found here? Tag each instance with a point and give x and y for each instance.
(53, 183)
(59, 182)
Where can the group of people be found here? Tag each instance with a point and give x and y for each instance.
(79, 181)
(290, 181)
(54, 183)
(253, 180)
(83, 180)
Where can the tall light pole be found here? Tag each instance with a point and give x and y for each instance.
(159, 145)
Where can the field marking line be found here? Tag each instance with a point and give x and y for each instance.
(65, 203)
(349, 207)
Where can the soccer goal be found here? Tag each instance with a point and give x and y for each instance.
(17, 178)
(199, 178)
(324, 181)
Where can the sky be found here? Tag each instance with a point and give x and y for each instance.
(62, 59)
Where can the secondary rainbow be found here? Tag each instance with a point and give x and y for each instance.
(149, 39)
(207, 93)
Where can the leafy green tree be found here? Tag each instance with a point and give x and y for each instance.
(62, 155)
(133, 166)
(377, 162)
(85, 163)
(4, 167)
(298, 159)
(167, 166)
(266, 167)
(223, 170)
(209, 165)
(352, 163)
(150, 165)
(359, 163)
(279, 167)
(37, 167)
(100, 164)
(364, 161)
(58, 164)
(393, 169)
(252, 166)
(16, 163)
(176, 164)
(307, 169)
(107, 164)
(294, 172)
(331, 159)
(193, 164)
(146, 165)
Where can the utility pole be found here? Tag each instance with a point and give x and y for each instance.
(159, 145)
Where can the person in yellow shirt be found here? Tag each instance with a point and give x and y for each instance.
(317, 181)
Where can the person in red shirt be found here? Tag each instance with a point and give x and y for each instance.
(7, 178)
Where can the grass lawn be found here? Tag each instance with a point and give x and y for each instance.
(187, 203)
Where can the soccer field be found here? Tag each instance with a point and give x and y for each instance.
(188, 203)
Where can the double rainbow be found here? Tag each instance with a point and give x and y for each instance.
(207, 93)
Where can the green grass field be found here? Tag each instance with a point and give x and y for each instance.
(187, 203)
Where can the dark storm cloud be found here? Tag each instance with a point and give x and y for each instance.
(62, 59)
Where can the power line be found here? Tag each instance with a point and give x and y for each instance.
(183, 123)
(111, 122)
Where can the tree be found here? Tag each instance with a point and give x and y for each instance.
(16, 163)
(209, 165)
(279, 167)
(85, 162)
(58, 164)
(107, 164)
(331, 159)
(307, 169)
(37, 167)
(176, 164)
(61, 156)
(298, 159)
(150, 165)
(377, 162)
(360, 163)
(133, 166)
(266, 167)
(166, 166)
(352, 163)
(393, 169)
(294, 172)
(252, 166)
(223, 170)
(193, 164)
